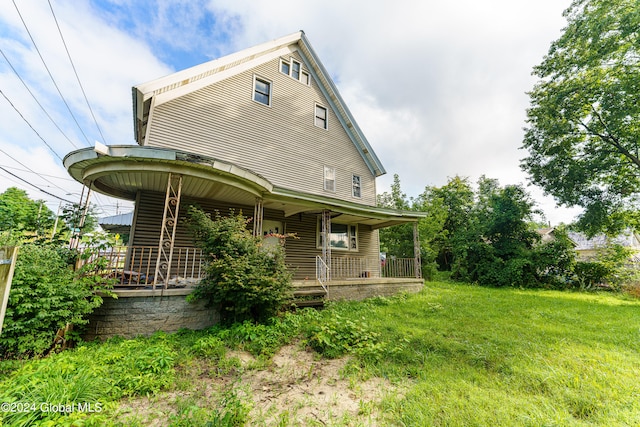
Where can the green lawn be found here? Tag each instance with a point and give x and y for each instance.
(455, 355)
(481, 356)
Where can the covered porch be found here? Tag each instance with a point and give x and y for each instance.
(338, 245)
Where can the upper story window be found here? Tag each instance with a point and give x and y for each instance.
(321, 117)
(261, 90)
(285, 68)
(293, 69)
(329, 179)
(356, 189)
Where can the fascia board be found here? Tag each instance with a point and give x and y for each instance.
(202, 70)
(192, 86)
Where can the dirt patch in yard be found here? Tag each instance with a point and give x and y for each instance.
(295, 388)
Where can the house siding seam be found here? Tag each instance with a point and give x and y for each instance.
(279, 142)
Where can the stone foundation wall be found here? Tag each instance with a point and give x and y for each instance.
(145, 312)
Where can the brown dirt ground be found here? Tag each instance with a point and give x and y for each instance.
(294, 389)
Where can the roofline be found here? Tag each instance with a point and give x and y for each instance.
(143, 93)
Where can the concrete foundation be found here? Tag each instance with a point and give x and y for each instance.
(143, 312)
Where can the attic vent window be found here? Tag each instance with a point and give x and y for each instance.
(261, 90)
(293, 69)
(321, 117)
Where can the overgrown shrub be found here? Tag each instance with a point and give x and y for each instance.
(243, 279)
(46, 296)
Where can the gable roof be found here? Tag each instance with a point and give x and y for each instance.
(159, 91)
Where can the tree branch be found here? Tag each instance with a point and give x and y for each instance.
(610, 139)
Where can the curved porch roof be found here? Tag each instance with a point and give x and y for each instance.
(122, 171)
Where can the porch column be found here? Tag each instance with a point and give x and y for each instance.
(258, 215)
(168, 231)
(326, 242)
(416, 252)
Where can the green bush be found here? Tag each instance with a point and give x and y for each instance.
(244, 280)
(46, 296)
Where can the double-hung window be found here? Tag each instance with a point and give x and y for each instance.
(321, 117)
(356, 189)
(262, 90)
(329, 179)
(293, 69)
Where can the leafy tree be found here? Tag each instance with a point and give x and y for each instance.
(455, 200)
(245, 280)
(583, 134)
(498, 246)
(18, 213)
(397, 240)
(73, 213)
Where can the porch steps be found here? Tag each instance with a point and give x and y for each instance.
(305, 297)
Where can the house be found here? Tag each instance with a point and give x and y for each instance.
(588, 247)
(263, 131)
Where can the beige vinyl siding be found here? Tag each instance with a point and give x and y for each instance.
(279, 142)
(300, 252)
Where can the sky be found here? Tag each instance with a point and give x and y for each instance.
(438, 88)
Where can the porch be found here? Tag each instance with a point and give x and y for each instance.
(134, 268)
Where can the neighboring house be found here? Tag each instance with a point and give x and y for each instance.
(117, 224)
(263, 131)
(587, 248)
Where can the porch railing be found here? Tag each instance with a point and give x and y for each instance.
(360, 267)
(135, 265)
(322, 272)
(399, 267)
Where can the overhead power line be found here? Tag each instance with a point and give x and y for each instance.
(32, 128)
(76, 72)
(29, 169)
(36, 99)
(35, 186)
(50, 75)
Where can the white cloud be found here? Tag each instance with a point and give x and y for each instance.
(437, 87)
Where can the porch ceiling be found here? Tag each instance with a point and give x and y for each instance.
(127, 170)
(122, 171)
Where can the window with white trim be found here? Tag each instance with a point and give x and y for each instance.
(329, 179)
(293, 69)
(356, 189)
(343, 237)
(261, 90)
(321, 117)
(285, 67)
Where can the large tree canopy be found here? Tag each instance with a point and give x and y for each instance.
(583, 131)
